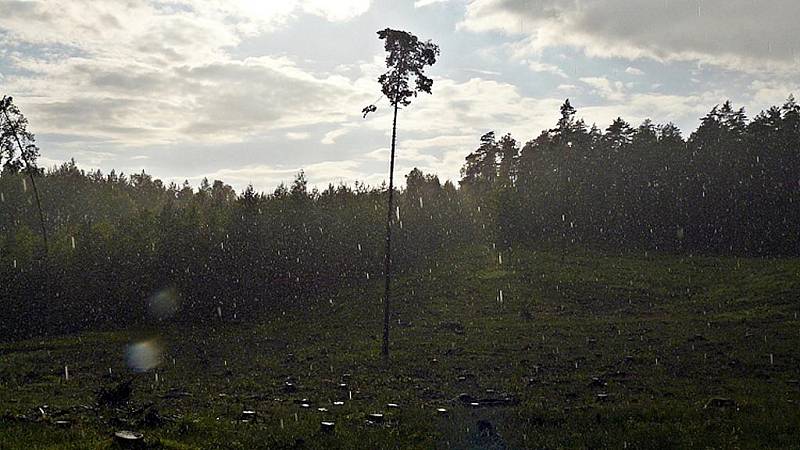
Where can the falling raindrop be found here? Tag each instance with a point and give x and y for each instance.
(72, 238)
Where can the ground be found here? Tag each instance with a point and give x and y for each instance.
(584, 351)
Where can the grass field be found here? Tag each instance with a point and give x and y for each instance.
(584, 351)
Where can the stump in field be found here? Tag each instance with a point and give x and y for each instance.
(129, 439)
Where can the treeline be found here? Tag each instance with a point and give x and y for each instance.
(117, 242)
(732, 187)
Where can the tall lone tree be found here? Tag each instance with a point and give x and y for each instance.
(14, 135)
(406, 60)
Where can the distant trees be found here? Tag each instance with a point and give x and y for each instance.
(118, 240)
(731, 187)
(480, 172)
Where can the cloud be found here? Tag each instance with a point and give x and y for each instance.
(634, 71)
(765, 94)
(140, 73)
(424, 3)
(79, 22)
(335, 10)
(609, 90)
(491, 73)
(331, 136)
(222, 101)
(737, 34)
(538, 66)
(265, 177)
(470, 108)
(297, 135)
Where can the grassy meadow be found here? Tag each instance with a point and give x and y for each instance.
(515, 350)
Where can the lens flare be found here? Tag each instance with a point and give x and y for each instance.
(163, 304)
(144, 356)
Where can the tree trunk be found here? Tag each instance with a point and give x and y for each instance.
(39, 208)
(33, 182)
(388, 255)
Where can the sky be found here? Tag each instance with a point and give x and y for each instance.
(252, 91)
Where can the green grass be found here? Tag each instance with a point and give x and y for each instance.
(664, 334)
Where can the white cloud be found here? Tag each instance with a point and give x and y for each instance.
(738, 34)
(331, 136)
(265, 177)
(538, 66)
(297, 135)
(81, 21)
(138, 73)
(765, 94)
(471, 108)
(484, 72)
(634, 71)
(424, 3)
(222, 101)
(335, 10)
(610, 90)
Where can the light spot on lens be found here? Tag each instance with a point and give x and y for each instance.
(164, 304)
(144, 356)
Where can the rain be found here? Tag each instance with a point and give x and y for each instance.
(202, 245)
